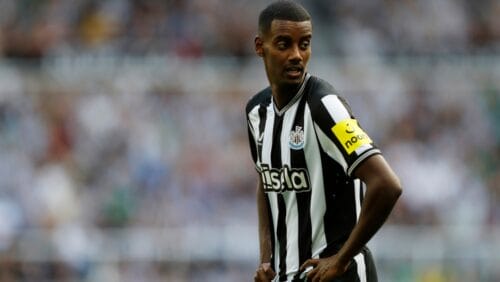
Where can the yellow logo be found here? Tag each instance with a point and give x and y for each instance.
(350, 135)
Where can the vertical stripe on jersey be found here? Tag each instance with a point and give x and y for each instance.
(262, 125)
(281, 225)
(357, 196)
(281, 233)
(303, 203)
(267, 126)
(260, 142)
(317, 196)
(339, 194)
(361, 266)
(292, 251)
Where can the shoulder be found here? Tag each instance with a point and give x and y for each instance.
(261, 98)
(323, 98)
(319, 87)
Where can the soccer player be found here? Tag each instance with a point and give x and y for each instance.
(324, 189)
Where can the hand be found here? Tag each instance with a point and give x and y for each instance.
(264, 273)
(324, 269)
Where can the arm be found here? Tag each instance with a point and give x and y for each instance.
(264, 227)
(264, 271)
(383, 190)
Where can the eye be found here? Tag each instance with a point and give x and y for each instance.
(282, 45)
(305, 44)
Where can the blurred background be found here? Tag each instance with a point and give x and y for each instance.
(123, 143)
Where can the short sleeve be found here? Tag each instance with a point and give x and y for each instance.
(340, 134)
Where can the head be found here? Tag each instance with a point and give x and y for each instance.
(284, 43)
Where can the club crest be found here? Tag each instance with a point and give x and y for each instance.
(296, 138)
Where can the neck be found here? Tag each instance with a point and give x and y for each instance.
(283, 94)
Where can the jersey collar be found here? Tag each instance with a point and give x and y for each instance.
(294, 99)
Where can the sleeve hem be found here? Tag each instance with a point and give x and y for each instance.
(363, 157)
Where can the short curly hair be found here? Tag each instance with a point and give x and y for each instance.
(281, 10)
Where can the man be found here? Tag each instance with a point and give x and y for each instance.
(324, 188)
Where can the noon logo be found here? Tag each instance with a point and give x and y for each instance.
(350, 135)
(296, 138)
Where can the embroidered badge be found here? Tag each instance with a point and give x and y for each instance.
(296, 138)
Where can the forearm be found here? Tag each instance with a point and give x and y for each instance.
(264, 226)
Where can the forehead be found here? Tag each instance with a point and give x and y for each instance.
(290, 28)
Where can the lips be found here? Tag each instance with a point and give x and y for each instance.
(294, 71)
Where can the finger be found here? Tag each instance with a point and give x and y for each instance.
(309, 262)
(313, 275)
(270, 273)
(260, 275)
(267, 270)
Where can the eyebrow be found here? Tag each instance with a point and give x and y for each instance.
(282, 37)
(288, 37)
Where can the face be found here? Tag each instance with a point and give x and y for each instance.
(285, 50)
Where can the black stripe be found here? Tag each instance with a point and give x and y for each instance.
(253, 146)
(281, 233)
(340, 214)
(262, 126)
(276, 162)
(271, 228)
(298, 160)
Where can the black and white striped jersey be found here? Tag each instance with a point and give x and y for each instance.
(305, 154)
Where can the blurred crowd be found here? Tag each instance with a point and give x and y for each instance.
(130, 114)
(193, 28)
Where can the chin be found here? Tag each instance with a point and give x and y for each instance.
(291, 85)
(294, 81)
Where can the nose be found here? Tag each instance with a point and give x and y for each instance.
(295, 55)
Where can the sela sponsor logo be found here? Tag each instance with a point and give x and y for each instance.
(350, 135)
(296, 138)
(284, 179)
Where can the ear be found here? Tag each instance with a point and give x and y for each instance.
(259, 43)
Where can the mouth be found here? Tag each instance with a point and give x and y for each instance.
(294, 72)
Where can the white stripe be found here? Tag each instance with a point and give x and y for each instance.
(268, 138)
(335, 108)
(292, 220)
(288, 119)
(357, 196)
(313, 162)
(361, 267)
(253, 124)
(266, 158)
(273, 203)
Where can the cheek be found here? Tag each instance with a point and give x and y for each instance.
(274, 64)
(279, 61)
(306, 56)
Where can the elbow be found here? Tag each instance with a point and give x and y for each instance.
(390, 187)
(395, 189)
